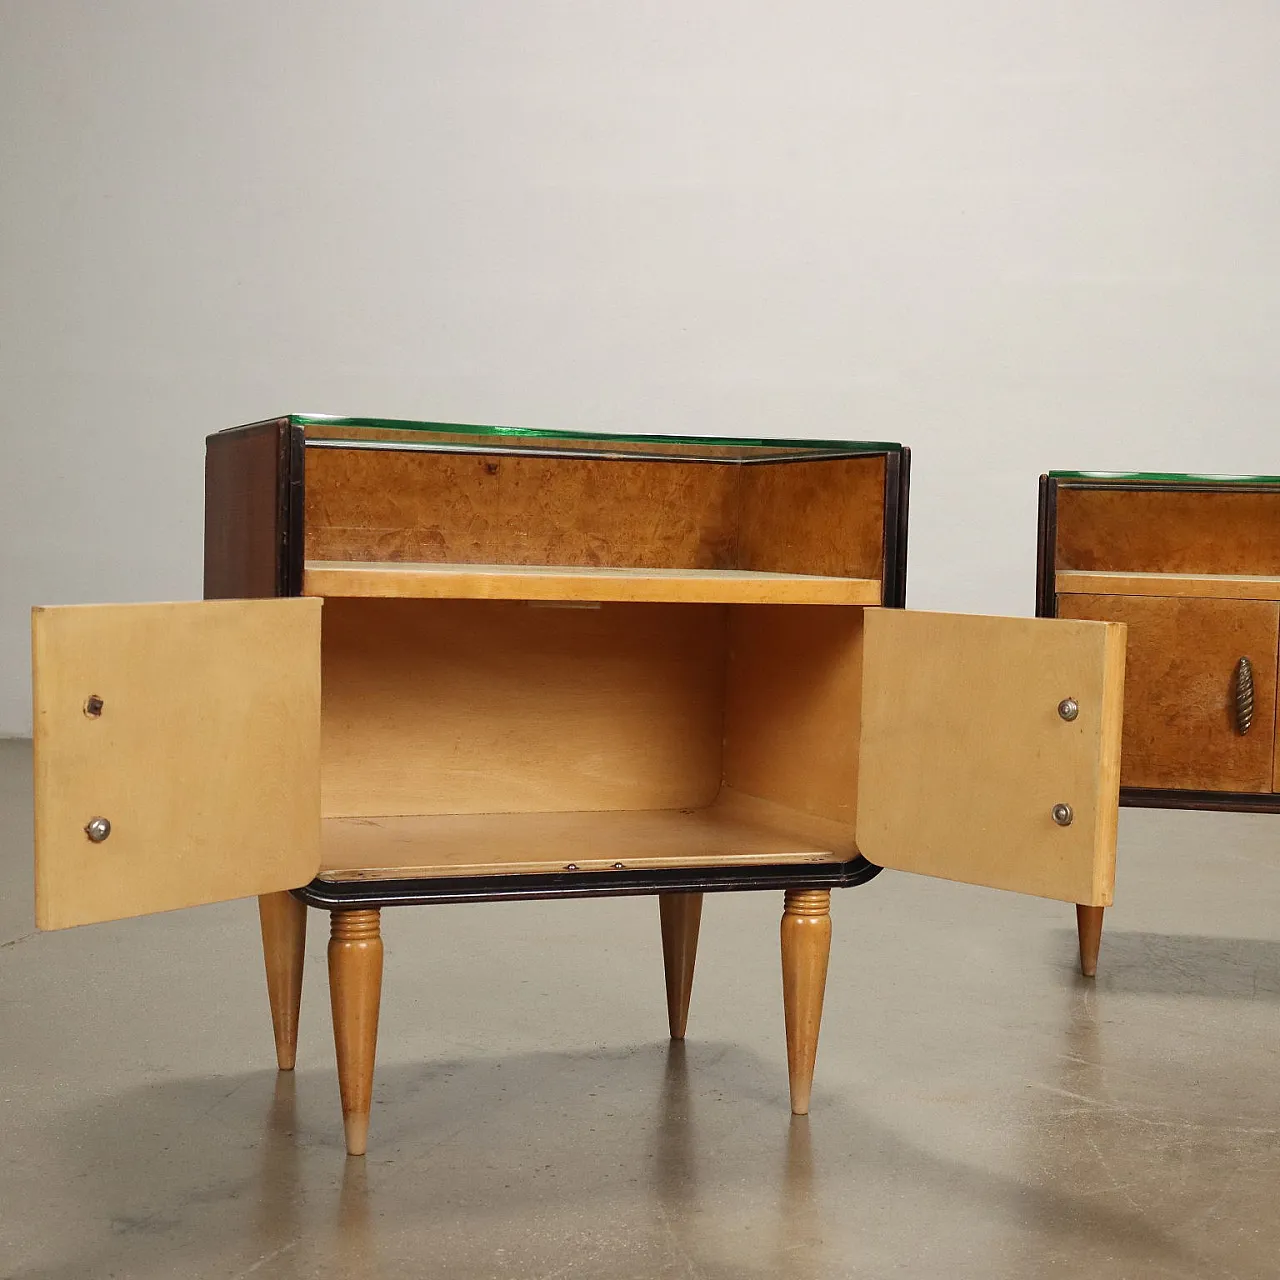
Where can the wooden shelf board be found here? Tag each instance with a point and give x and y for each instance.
(572, 584)
(1220, 586)
(424, 847)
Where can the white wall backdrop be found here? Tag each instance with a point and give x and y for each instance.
(1013, 235)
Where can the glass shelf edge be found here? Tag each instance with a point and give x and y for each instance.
(460, 428)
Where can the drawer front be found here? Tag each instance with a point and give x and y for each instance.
(1180, 727)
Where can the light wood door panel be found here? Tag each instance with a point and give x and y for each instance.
(1179, 723)
(204, 757)
(964, 754)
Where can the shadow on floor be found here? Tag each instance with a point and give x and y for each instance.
(1179, 964)
(241, 1176)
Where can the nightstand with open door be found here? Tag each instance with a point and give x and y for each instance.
(444, 664)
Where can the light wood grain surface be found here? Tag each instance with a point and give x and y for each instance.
(1214, 586)
(792, 705)
(478, 706)
(964, 754)
(205, 757)
(580, 583)
(733, 832)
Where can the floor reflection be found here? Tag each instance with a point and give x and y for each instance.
(797, 1232)
(800, 1234)
(279, 1176)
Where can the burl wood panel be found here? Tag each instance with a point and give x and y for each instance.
(813, 517)
(1165, 532)
(1179, 726)
(486, 706)
(245, 483)
(488, 509)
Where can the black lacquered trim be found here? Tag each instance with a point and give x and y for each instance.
(291, 499)
(898, 598)
(1046, 549)
(582, 884)
(1213, 801)
(1164, 486)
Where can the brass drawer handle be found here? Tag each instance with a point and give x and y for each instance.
(1244, 695)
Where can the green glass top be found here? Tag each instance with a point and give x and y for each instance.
(455, 436)
(1164, 477)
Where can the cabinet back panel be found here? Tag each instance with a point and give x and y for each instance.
(365, 504)
(813, 517)
(480, 706)
(793, 706)
(1168, 532)
(823, 518)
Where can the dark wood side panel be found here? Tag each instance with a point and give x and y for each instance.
(1046, 548)
(814, 517)
(897, 495)
(252, 483)
(1183, 530)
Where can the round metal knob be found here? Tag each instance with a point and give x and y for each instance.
(97, 829)
(1068, 708)
(1063, 814)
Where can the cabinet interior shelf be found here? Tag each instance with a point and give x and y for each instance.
(574, 584)
(1221, 586)
(726, 833)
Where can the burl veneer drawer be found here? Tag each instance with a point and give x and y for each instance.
(1181, 725)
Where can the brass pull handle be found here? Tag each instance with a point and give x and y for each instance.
(1244, 695)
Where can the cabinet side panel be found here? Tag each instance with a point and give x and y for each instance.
(467, 508)
(792, 706)
(813, 517)
(1046, 543)
(246, 510)
(1167, 531)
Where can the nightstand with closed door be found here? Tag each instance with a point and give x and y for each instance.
(442, 664)
(1192, 565)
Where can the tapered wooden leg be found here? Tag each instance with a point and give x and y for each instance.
(806, 947)
(1089, 926)
(681, 913)
(284, 945)
(355, 988)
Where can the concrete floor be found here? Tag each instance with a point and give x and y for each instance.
(980, 1110)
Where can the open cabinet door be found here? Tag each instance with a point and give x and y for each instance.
(969, 770)
(177, 755)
